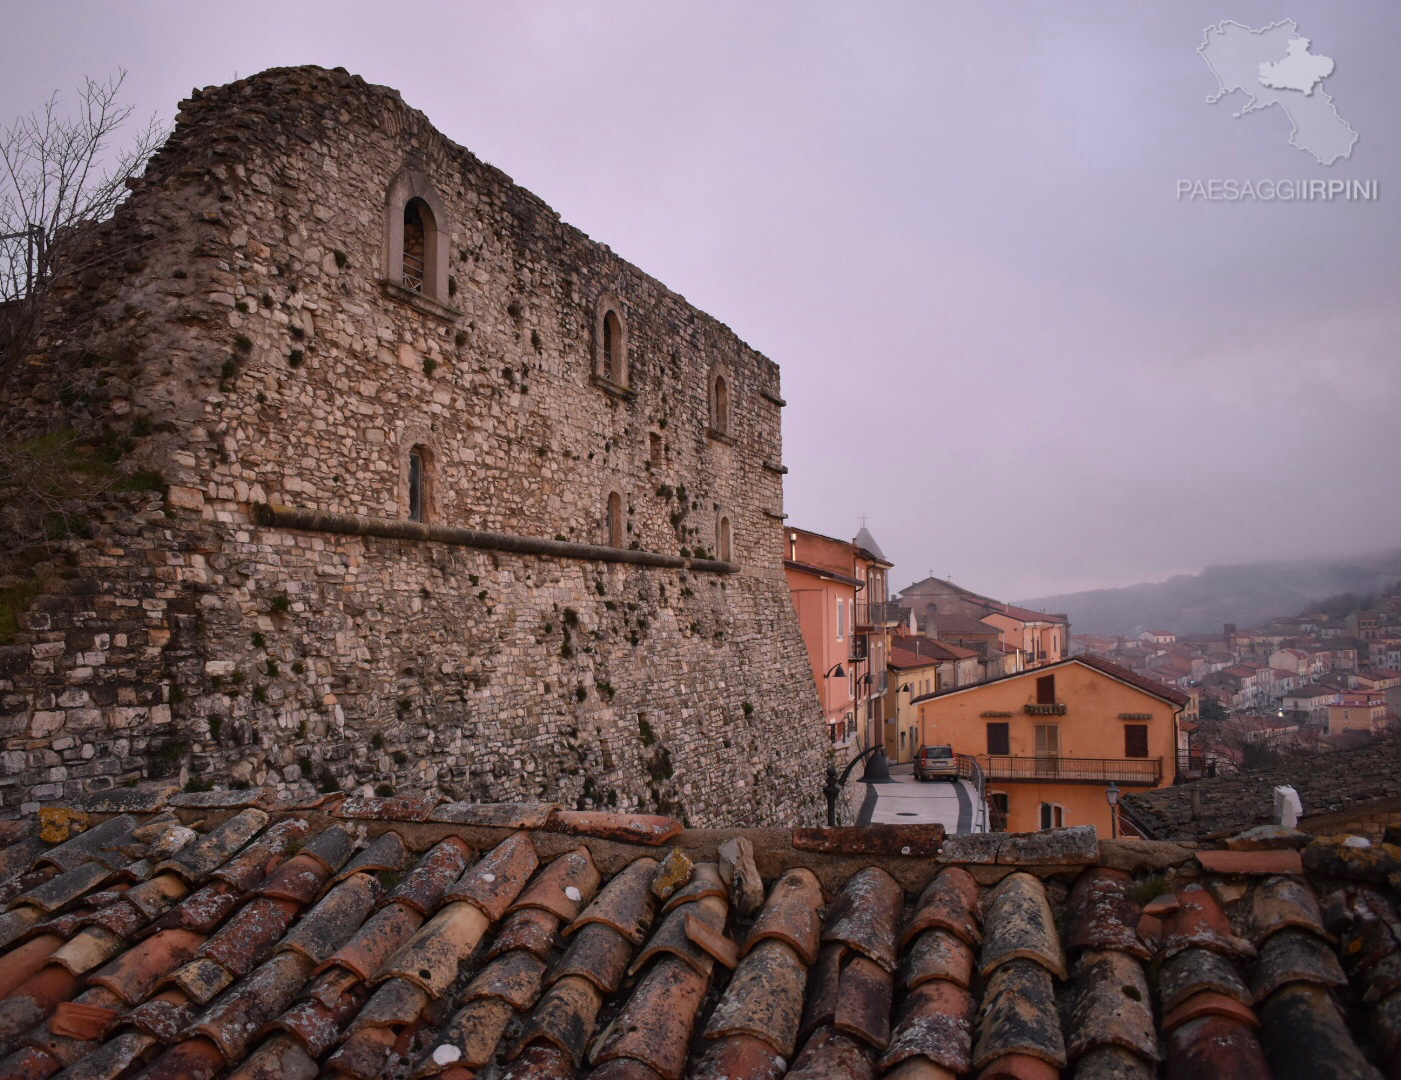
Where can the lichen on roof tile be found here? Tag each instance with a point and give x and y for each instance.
(764, 998)
(1019, 1015)
(1112, 1006)
(865, 916)
(1018, 925)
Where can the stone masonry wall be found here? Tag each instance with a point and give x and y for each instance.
(251, 352)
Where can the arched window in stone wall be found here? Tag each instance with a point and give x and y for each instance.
(610, 344)
(419, 482)
(613, 521)
(720, 404)
(724, 538)
(416, 228)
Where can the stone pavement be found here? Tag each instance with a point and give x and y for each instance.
(903, 800)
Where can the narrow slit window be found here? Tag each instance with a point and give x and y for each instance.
(722, 541)
(615, 520)
(417, 483)
(415, 245)
(613, 349)
(722, 405)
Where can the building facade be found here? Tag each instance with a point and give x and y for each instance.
(447, 496)
(1052, 741)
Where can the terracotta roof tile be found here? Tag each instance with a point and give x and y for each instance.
(764, 999)
(629, 828)
(829, 1055)
(283, 965)
(385, 853)
(198, 860)
(792, 914)
(865, 994)
(937, 954)
(493, 884)
(1200, 923)
(937, 1025)
(671, 938)
(1251, 862)
(1294, 956)
(1194, 971)
(949, 902)
(626, 903)
(598, 954)
(1019, 925)
(865, 916)
(1112, 1006)
(136, 972)
(531, 929)
(733, 1056)
(378, 937)
(655, 1024)
(563, 887)
(1306, 1036)
(1215, 1045)
(333, 920)
(1209, 1003)
(1019, 1016)
(1102, 914)
(470, 1038)
(423, 888)
(564, 1019)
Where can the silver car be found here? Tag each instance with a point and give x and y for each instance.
(936, 763)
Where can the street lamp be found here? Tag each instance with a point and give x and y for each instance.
(1112, 794)
(836, 672)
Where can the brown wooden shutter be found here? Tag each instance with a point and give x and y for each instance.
(1135, 740)
(1046, 690)
(999, 741)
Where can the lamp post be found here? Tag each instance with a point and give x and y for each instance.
(1112, 794)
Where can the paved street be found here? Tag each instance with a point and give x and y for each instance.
(903, 800)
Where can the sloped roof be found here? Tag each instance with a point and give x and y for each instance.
(1327, 783)
(864, 539)
(229, 934)
(921, 645)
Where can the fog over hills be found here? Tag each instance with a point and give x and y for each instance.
(1247, 594)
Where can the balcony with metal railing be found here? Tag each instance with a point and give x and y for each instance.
(1050, 768)
(870, 614)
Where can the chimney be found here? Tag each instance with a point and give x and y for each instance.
(1287, 806)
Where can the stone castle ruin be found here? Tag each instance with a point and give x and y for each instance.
(413, 488)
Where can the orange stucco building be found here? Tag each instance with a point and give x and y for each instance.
(1050, 741)
(839, 594)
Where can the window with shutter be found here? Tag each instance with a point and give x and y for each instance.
(1046, 690)
(1135, 740)
(999, 740)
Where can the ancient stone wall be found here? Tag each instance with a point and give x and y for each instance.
(258, 347)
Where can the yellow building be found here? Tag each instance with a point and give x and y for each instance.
(1051, 741)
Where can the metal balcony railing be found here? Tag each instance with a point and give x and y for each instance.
(1191, 764)
(1147, 772)
(873, 613)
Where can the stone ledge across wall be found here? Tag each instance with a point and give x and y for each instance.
(289, 517)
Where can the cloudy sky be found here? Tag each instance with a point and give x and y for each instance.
(955, 227)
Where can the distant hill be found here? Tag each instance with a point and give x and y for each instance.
(1247, 594)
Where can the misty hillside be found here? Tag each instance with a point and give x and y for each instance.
(1247, 594)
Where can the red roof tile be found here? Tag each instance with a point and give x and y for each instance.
(449, 973)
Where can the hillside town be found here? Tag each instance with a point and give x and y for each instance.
(938, 665)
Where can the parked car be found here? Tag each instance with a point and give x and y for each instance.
(936, 763)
